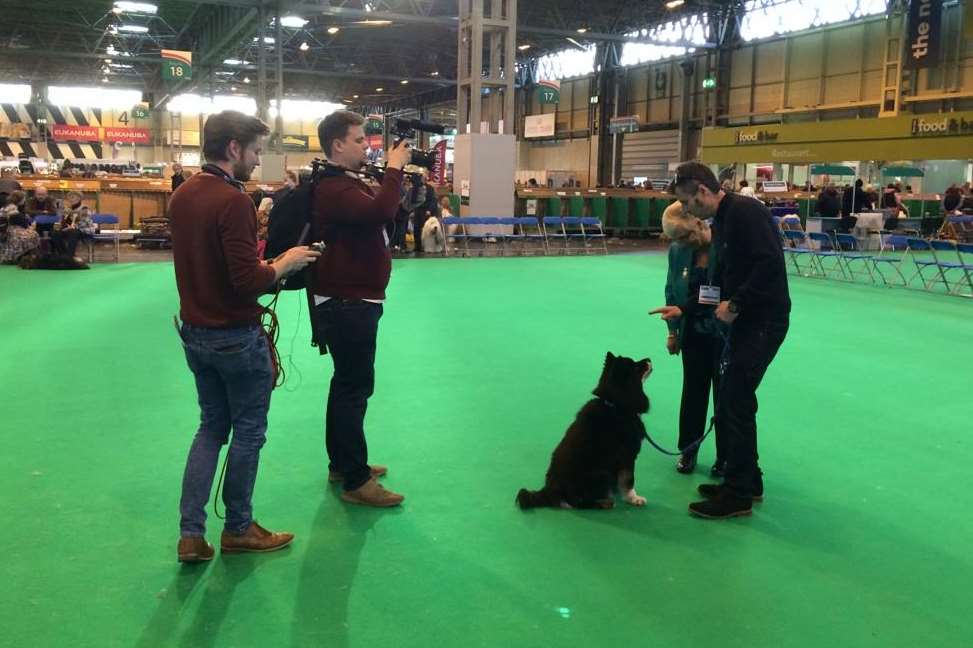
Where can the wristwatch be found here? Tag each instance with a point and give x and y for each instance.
(733, 307)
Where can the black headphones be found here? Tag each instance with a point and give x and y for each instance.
(212, 169)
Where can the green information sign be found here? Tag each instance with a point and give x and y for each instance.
(140, 112)
(548, 92)
(177, 65)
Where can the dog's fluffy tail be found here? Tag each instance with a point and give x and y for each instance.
(527, 499)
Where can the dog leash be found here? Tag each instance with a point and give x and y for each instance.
(692, 447)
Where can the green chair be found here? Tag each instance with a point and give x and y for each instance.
(618, 216)
(576, 206)
(552, 206)
(641, 215)
(599, 209)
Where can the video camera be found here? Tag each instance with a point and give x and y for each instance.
(406, 129)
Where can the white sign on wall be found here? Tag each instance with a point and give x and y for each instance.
(539, 125)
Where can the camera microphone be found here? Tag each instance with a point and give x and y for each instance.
(418, 124)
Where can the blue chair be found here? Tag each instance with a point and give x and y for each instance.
(923, 256)
(888, 259)
(114, 235)
(511, 236)
(593, 231)
(487, 232)
(965, 253)
(573, 232)
(45, 219)
(459, 234)
(850, 252)
(799, 249)
(533, 233)
(826, 250)
(554, 231)
(949, 261)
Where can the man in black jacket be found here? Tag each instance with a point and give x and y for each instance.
(755, 302)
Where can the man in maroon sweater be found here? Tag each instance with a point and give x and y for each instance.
(219, 277)
(348, 287)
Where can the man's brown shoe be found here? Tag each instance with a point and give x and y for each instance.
(254, 539)
(194, 549)
(377, 471)
(371, 493)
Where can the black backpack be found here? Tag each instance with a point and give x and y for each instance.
(289, 222)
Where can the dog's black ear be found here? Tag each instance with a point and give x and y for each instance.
(609, 358)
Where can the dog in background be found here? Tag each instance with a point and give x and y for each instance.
(432, 236)
(597, 455)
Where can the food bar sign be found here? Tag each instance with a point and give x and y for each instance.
(924, 35)
(945, 126)
(756, 137)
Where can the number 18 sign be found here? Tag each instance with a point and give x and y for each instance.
(177, 65)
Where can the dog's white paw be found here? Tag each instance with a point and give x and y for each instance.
(635, 499)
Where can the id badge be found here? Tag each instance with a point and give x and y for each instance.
(709, 295)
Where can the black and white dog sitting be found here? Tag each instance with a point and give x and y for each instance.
(597, 455)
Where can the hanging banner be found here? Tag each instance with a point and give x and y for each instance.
(177, 65)
(438, 172)
(75, 133)
(295, 143)
(128, 135)
(923, 43)
(540, 125)
(548, 92)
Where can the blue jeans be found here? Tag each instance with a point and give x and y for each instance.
(234, 379)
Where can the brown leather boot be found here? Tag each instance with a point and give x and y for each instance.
(194, 549)
(371, 493)
(377, 471)
(255, 539)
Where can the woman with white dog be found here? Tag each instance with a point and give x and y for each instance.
(693, 330)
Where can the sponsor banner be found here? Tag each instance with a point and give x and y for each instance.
(295, 143)
(76, 133)
(438, 172)
(128, 135)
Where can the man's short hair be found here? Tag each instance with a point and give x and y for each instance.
(224, 127)
(335, 127)
(690, 175)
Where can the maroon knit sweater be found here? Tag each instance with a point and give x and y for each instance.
(214, 247)
(350, 218)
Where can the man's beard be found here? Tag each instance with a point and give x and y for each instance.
(242, 171)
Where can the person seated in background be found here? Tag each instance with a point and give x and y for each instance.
(8, 185)
(75, 225)
(19, 236)
(291, 181)
(41, 203)
(263, 220)
(893, 202)
(532, 183)
(746, 189)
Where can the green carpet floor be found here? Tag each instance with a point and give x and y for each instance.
(865, 421)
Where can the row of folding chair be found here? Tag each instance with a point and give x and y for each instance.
(905, 261)
(105, 233)
(481, 235)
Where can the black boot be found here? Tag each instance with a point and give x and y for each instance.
(718, 468)
(724, 505)
(756, 492)
(686, 463)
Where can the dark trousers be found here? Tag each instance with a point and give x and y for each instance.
(701, 355)
(752, 347)
(349, 328)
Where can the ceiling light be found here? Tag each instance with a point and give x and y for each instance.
(246, 79)
(576, 44)
(135, 7)
(232, 88)
(672, 4)
(111, 50)
(134, 29)
(225, 73)
(374, 23)
(333, 30)
(104, 80)
(523, 47)
(379, 89)
(354, 96)
(268, 40)
(304, 46)
(294, 22)
(404, 82)
(107, 60)
(232, 61)
(434, 74)
(582, 30)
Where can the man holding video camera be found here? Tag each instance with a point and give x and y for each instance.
(348, 287)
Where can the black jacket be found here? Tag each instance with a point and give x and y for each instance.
(754, 272)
